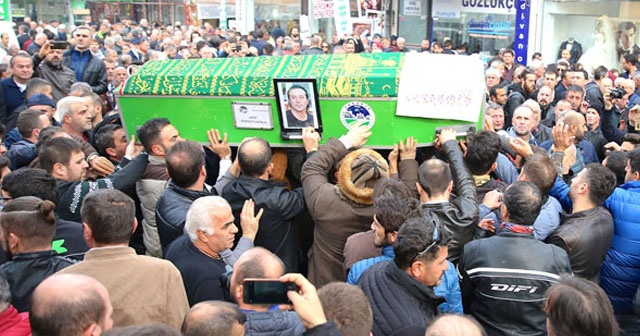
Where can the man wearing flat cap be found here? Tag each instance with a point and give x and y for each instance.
(343, 209)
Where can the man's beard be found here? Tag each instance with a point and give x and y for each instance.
(54, 64)
(515, 130)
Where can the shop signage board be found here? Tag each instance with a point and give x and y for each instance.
(452, 9)
(522, 31)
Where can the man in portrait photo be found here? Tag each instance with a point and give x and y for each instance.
(298, 113)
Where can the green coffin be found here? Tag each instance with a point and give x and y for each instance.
(197, 95)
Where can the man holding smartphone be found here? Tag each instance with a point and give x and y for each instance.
(259, 263)
(47, 64)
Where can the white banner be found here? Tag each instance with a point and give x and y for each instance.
(439, 86)
(323, 9)
(342, 14)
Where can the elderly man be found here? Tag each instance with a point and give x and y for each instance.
(14, 88)
(199, 254)
(38, 42)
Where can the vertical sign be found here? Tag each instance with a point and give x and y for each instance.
(5, 10)
(523, 8)
(342, 14)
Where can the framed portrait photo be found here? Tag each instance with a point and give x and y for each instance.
(298, 104)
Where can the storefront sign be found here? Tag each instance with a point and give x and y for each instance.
(522, 31)
(412, 7)
(451, 9)
(322, 9)
(489, 27)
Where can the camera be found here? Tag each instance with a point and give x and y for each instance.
(617, 92)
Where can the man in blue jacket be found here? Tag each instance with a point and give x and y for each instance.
(14, 87)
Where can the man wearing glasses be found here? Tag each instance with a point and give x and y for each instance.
(401, 290)
(504, 277)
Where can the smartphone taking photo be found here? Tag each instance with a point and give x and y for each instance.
(267, 291)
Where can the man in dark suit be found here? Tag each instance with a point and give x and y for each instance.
(574, 48)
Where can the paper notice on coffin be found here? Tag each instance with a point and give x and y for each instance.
(438, 86)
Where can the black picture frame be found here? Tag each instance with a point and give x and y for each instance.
(289, 124)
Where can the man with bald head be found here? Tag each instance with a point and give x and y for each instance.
(523, 122)
(585, 151)
(277, 232)
(70, 305)
(259, 263)
(214, 318)
(562, 106)
(454, 325)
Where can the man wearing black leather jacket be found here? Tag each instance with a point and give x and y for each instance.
(586, 233)
(457, 213)
(504, 277)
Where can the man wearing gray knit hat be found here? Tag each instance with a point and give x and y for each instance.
(343, 209)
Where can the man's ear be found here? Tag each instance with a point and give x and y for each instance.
(393, 236)
(13, 242)
(110, 151)
(87, 232)
(92, 330)
(450, 188)
(494, 166)
(419, 187)
(135, 225)
(157, 150)
(59, 169)
(239, 294)
(504, 212)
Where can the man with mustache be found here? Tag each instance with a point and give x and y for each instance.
(48, 65)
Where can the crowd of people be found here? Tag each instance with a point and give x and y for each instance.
(526, 227)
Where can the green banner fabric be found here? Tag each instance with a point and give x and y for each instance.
(5, 10)
(355, 75)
